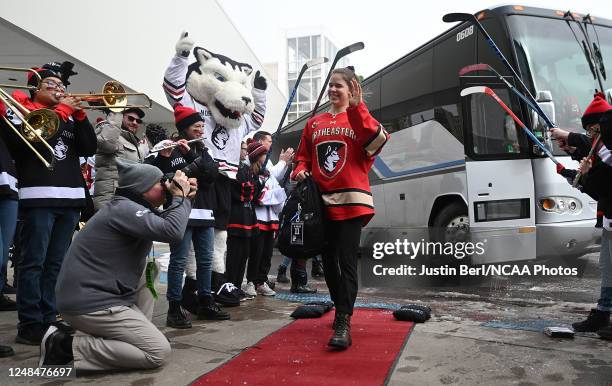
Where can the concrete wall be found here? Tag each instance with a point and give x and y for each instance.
(133, 41)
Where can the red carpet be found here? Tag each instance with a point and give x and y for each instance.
(297, 354)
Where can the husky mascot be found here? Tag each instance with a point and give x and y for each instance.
(232, 102)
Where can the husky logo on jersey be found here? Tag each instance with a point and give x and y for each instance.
(223, 85)
(13, 117)
(332, 157)
(60, 149)
(220, 136)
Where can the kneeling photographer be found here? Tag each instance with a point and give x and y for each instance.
(191, 156)
(101, 287)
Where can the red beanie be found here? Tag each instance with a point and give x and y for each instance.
(255, 149)
(595, 110)
(185, 116)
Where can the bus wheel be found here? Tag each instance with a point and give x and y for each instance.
(452, 224)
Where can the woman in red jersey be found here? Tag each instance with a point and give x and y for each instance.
(338, 149)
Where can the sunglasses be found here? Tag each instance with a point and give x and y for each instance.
(51, 85)
(132, 119)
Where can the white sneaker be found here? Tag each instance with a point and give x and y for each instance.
(265, 290)
(249, 289)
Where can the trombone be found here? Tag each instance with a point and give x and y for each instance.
(21, 69)
(37, 126)
(113, 97)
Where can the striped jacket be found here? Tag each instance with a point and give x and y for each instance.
(339, 151)
(64, 186)
(228, 157)
(269, 204)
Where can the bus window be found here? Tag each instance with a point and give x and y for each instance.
(406, 98)
(493, 131)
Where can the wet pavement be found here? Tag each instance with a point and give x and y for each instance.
(487, 332)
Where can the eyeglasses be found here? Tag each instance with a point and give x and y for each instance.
(54, 85)
(132, 119)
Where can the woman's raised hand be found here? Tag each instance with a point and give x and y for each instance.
(355, 97)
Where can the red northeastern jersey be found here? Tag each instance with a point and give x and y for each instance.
(339, 151)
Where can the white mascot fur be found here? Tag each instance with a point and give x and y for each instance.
(232, 102)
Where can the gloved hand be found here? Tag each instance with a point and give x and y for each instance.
(184, 45)
(259, 82)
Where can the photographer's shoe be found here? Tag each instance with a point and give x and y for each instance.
(176, 316)
(595, 321)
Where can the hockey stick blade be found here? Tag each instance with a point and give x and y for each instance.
(350, 49)
(456, 16)
(474, 90)
(474, 67)
(316, 62)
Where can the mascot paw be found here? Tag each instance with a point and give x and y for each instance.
(184, 45)
(259, 82)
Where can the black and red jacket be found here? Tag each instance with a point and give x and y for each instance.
(63, 186)
(197, 163)
(245, 191)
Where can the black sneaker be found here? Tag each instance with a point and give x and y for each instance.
(209, 310)
(270, 284)
(7, 304)
(317, 269)
(281, 277)
(30, 334)
(176, 316)
(54, 348)
(243, 295)
(595, 321)
(61, 324)
(227, 295)
(303, 289)
(6, 351)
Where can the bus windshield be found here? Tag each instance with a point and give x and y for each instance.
(558, 64)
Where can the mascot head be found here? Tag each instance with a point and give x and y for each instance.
(222, 84)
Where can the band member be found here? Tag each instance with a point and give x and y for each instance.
(200, 229)
(50, 201)
(337, 149)
(8, 217)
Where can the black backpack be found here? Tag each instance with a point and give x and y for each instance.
(302, 230)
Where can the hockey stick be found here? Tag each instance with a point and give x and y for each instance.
(339, 55)
(488, 91)
(530, 102)
(591, 152)
(308, 65)
(455, 17)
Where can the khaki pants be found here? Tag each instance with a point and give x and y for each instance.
(119, 337)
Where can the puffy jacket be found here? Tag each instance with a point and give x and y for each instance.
(113, 143)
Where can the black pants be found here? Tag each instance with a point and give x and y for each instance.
(299, 276)
(238, 252)
(340, 262)
(260, 260)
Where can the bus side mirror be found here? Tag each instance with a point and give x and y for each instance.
(545, 101)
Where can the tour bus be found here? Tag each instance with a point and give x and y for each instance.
(459, 163)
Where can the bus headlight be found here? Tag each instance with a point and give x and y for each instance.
(561, 205)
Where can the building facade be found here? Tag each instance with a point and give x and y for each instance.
(302, 46)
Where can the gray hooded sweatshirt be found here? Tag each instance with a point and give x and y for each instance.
(104, 264)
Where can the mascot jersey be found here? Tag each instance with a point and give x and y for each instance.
(224, 143)
(339, 151)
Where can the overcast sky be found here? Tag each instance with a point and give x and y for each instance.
(389, 28)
